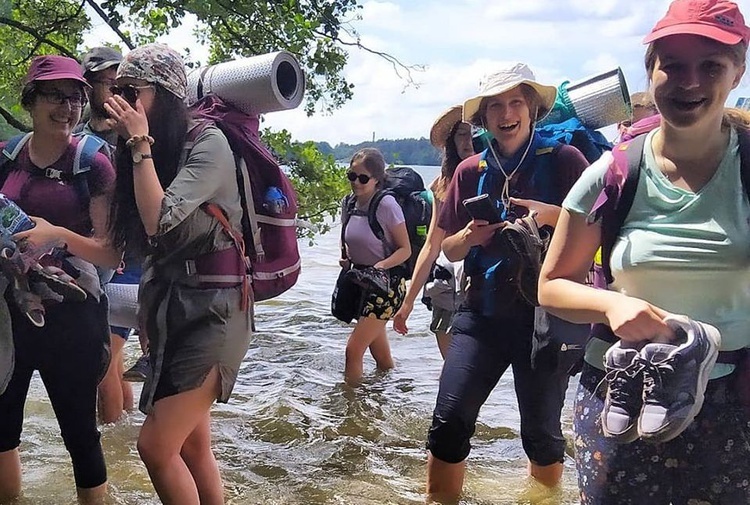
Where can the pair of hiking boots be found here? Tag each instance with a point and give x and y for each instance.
(655, 392)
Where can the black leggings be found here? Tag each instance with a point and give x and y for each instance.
(71, 353)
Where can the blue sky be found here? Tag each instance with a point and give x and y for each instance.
(458, 41)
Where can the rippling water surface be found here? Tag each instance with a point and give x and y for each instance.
(293, 433)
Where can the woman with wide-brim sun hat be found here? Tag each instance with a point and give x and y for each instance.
(683, 248)
(453, 137)
(523, 174)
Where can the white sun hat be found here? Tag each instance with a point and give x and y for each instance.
(506, 79)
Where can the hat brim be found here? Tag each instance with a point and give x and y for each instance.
(103, 66)
(56, 76)
(708, 31)
(548, 95)
(443, 126)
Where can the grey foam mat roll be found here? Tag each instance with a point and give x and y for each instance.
(257, 85)
(123, 304)
(601, 100)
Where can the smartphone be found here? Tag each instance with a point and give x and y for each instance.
(481, 207)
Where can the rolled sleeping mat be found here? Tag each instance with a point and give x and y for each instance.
(123, 304)
(257, 85)
(597, 101)
(601, 100)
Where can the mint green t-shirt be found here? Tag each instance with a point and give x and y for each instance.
(688, 253)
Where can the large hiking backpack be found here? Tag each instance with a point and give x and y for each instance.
(269, 202)
(407, 187)
(590, 142)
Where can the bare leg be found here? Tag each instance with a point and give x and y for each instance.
(127, 388)
(110, 388)
(164, 433)
(93, 495)
(365, 332)
(445, 481)
(549, 475)
(10, 475)
(200, 460)
(381, 351)
(443, 342)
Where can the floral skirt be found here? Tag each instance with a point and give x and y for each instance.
(709, 463)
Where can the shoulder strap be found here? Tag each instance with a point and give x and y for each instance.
(372, 213)
(626, 154)
(743, 139)
(347, 208)
(10, 153)
(87, 148)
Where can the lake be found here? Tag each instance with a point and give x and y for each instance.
(293, 433)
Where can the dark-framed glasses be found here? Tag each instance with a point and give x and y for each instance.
(129, 92)
(354, 176)
(55, 97)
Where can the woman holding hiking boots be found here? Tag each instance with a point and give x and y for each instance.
(522, 174)
(178, 204)
(663, 432)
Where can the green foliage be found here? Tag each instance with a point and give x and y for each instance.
(320, 182)
(399, 151)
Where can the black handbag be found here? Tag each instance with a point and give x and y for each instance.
(346, 301)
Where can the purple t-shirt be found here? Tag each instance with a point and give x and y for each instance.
(363, 247)
(57, 202)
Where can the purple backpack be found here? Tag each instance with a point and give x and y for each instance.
(269, 202)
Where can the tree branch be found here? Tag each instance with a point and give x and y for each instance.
(41, 38)
(15, 123)
(115, 28)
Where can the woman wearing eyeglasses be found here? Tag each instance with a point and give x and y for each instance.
(362, 248)
(71, 351)
(171, 169)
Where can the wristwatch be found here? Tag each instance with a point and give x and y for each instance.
(138, 157)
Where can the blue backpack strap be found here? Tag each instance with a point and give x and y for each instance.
(10, 152)
(617, 210)
(86, 150)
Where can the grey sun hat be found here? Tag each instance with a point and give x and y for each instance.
(100, 58)
(506, 79)
(156, 63)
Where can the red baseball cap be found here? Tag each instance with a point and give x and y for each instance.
(52, 67)
(719, 20)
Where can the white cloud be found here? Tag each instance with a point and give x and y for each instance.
(458, 42)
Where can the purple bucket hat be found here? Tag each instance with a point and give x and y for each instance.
(53, 67)
(156, 63)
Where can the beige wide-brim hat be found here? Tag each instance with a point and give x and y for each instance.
(443, 126)
(505, 80)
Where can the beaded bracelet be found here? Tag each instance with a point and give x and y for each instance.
(139, 138)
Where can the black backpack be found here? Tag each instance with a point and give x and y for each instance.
(407, 187)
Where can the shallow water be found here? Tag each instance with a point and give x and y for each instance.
(293, 433)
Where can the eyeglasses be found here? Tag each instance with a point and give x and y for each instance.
(56, 97)
(362, 178)
(129, 92)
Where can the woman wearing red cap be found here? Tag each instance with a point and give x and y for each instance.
(70, 351)
(663, 432)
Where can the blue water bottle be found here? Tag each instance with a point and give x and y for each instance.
(274, 201)
(12, 218)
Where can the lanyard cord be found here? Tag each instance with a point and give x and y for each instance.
(505, 193)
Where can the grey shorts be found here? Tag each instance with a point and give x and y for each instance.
(441, 320)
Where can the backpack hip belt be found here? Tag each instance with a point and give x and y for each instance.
(214, 270)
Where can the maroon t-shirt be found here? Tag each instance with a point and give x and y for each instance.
(453, 216)
(57, 202)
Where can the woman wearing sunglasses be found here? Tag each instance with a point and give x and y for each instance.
(198, 332)
(71, 350)
(362, 248)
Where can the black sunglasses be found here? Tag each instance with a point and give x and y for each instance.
(129, 92)
(353, 176)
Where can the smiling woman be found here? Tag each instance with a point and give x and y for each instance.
(70, 351)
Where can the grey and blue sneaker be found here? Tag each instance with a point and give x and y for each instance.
(624, 398)
(675, 378)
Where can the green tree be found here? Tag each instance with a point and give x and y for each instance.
(317, 32)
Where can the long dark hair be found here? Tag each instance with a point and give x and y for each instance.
(168, 125)
(450, 161)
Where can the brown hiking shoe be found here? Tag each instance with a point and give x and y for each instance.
(529, 244)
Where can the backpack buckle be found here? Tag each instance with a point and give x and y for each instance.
(190, 267)
(53, 173)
